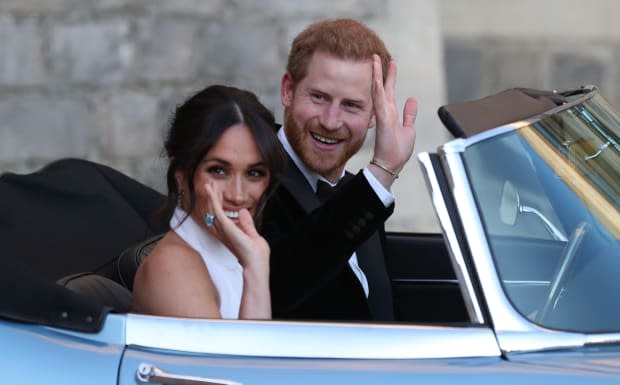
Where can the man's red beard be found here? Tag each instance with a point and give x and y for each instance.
(320, 162)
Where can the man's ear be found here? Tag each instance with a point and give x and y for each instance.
(286, 90)
(373, 121)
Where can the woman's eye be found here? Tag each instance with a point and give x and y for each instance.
(216, 170)
(257, 173)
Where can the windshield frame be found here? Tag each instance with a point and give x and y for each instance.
(506, 320)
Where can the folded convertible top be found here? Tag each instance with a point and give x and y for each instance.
(71, 216)
(472, 117)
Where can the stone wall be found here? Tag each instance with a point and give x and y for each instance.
(99, 79)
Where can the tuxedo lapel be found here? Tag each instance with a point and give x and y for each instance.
(296, 183)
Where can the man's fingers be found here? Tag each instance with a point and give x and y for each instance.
(379, 92)
(410, 112)
(390, 82)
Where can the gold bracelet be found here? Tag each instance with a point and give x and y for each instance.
(382, 167)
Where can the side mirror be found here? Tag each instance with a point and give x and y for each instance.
(509, 205)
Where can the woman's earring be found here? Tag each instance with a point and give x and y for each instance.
(181, 197)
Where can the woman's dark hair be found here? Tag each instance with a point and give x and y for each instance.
(199, 123)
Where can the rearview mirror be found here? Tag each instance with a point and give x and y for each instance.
(509, 204)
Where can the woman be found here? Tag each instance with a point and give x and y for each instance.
(223, 156)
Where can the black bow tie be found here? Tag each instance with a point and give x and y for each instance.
(324, 190)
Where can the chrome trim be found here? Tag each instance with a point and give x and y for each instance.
(472, 303)
(525, 283)
(538, 339)
(504, 316)
(553, 231)
(426, 281)
(459, 145)
(151, 374)
(605, 338)
(309, 339)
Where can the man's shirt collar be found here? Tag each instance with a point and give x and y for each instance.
(311, 176)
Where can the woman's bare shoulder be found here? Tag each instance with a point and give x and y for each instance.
(171, 256)
(174, 280)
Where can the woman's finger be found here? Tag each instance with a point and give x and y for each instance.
(246, 223)
(213, 208)
(224, 225)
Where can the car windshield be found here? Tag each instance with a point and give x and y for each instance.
(549, 198)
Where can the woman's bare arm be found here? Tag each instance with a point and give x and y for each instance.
(174, 281)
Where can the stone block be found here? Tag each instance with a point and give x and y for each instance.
(152, 172)
(463, 71)
(92, 52)
(531, 19)
(21, 52)
(573, 70)
(187, 7)
(315, 9)
(41, 127)
(36, 6)
(254, 62)
(509, 64)
(130, 124)
(113, 5)
(170, 49)
(609, 89)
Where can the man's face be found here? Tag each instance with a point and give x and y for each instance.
(328, 113)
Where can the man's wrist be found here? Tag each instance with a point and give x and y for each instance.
(385, 168)
(378, 185)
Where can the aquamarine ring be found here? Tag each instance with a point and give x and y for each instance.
(209, 219)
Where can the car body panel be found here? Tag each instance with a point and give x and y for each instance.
(33, 354)
(302, 371)
(310, 339)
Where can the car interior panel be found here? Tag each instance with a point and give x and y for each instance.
(424, 286)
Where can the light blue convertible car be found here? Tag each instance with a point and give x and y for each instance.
(522, 287)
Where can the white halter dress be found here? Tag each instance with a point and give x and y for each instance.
(224, 268)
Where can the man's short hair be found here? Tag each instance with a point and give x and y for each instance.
(346, 39)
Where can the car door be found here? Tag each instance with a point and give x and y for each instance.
(183, 351)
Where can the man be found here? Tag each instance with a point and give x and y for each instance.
(326, 254)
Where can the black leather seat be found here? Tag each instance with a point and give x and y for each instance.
(130, 259)
(106, 291)
(99, 289)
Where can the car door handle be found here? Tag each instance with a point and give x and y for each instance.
(151, 374)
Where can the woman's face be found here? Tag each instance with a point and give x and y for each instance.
(236, 168)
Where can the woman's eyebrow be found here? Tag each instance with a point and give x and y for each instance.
(227, 163)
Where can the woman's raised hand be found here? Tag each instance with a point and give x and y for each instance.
(242, 239)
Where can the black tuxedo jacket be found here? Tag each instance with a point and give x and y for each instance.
(311, 244)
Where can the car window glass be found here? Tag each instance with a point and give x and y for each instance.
(548, 195)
